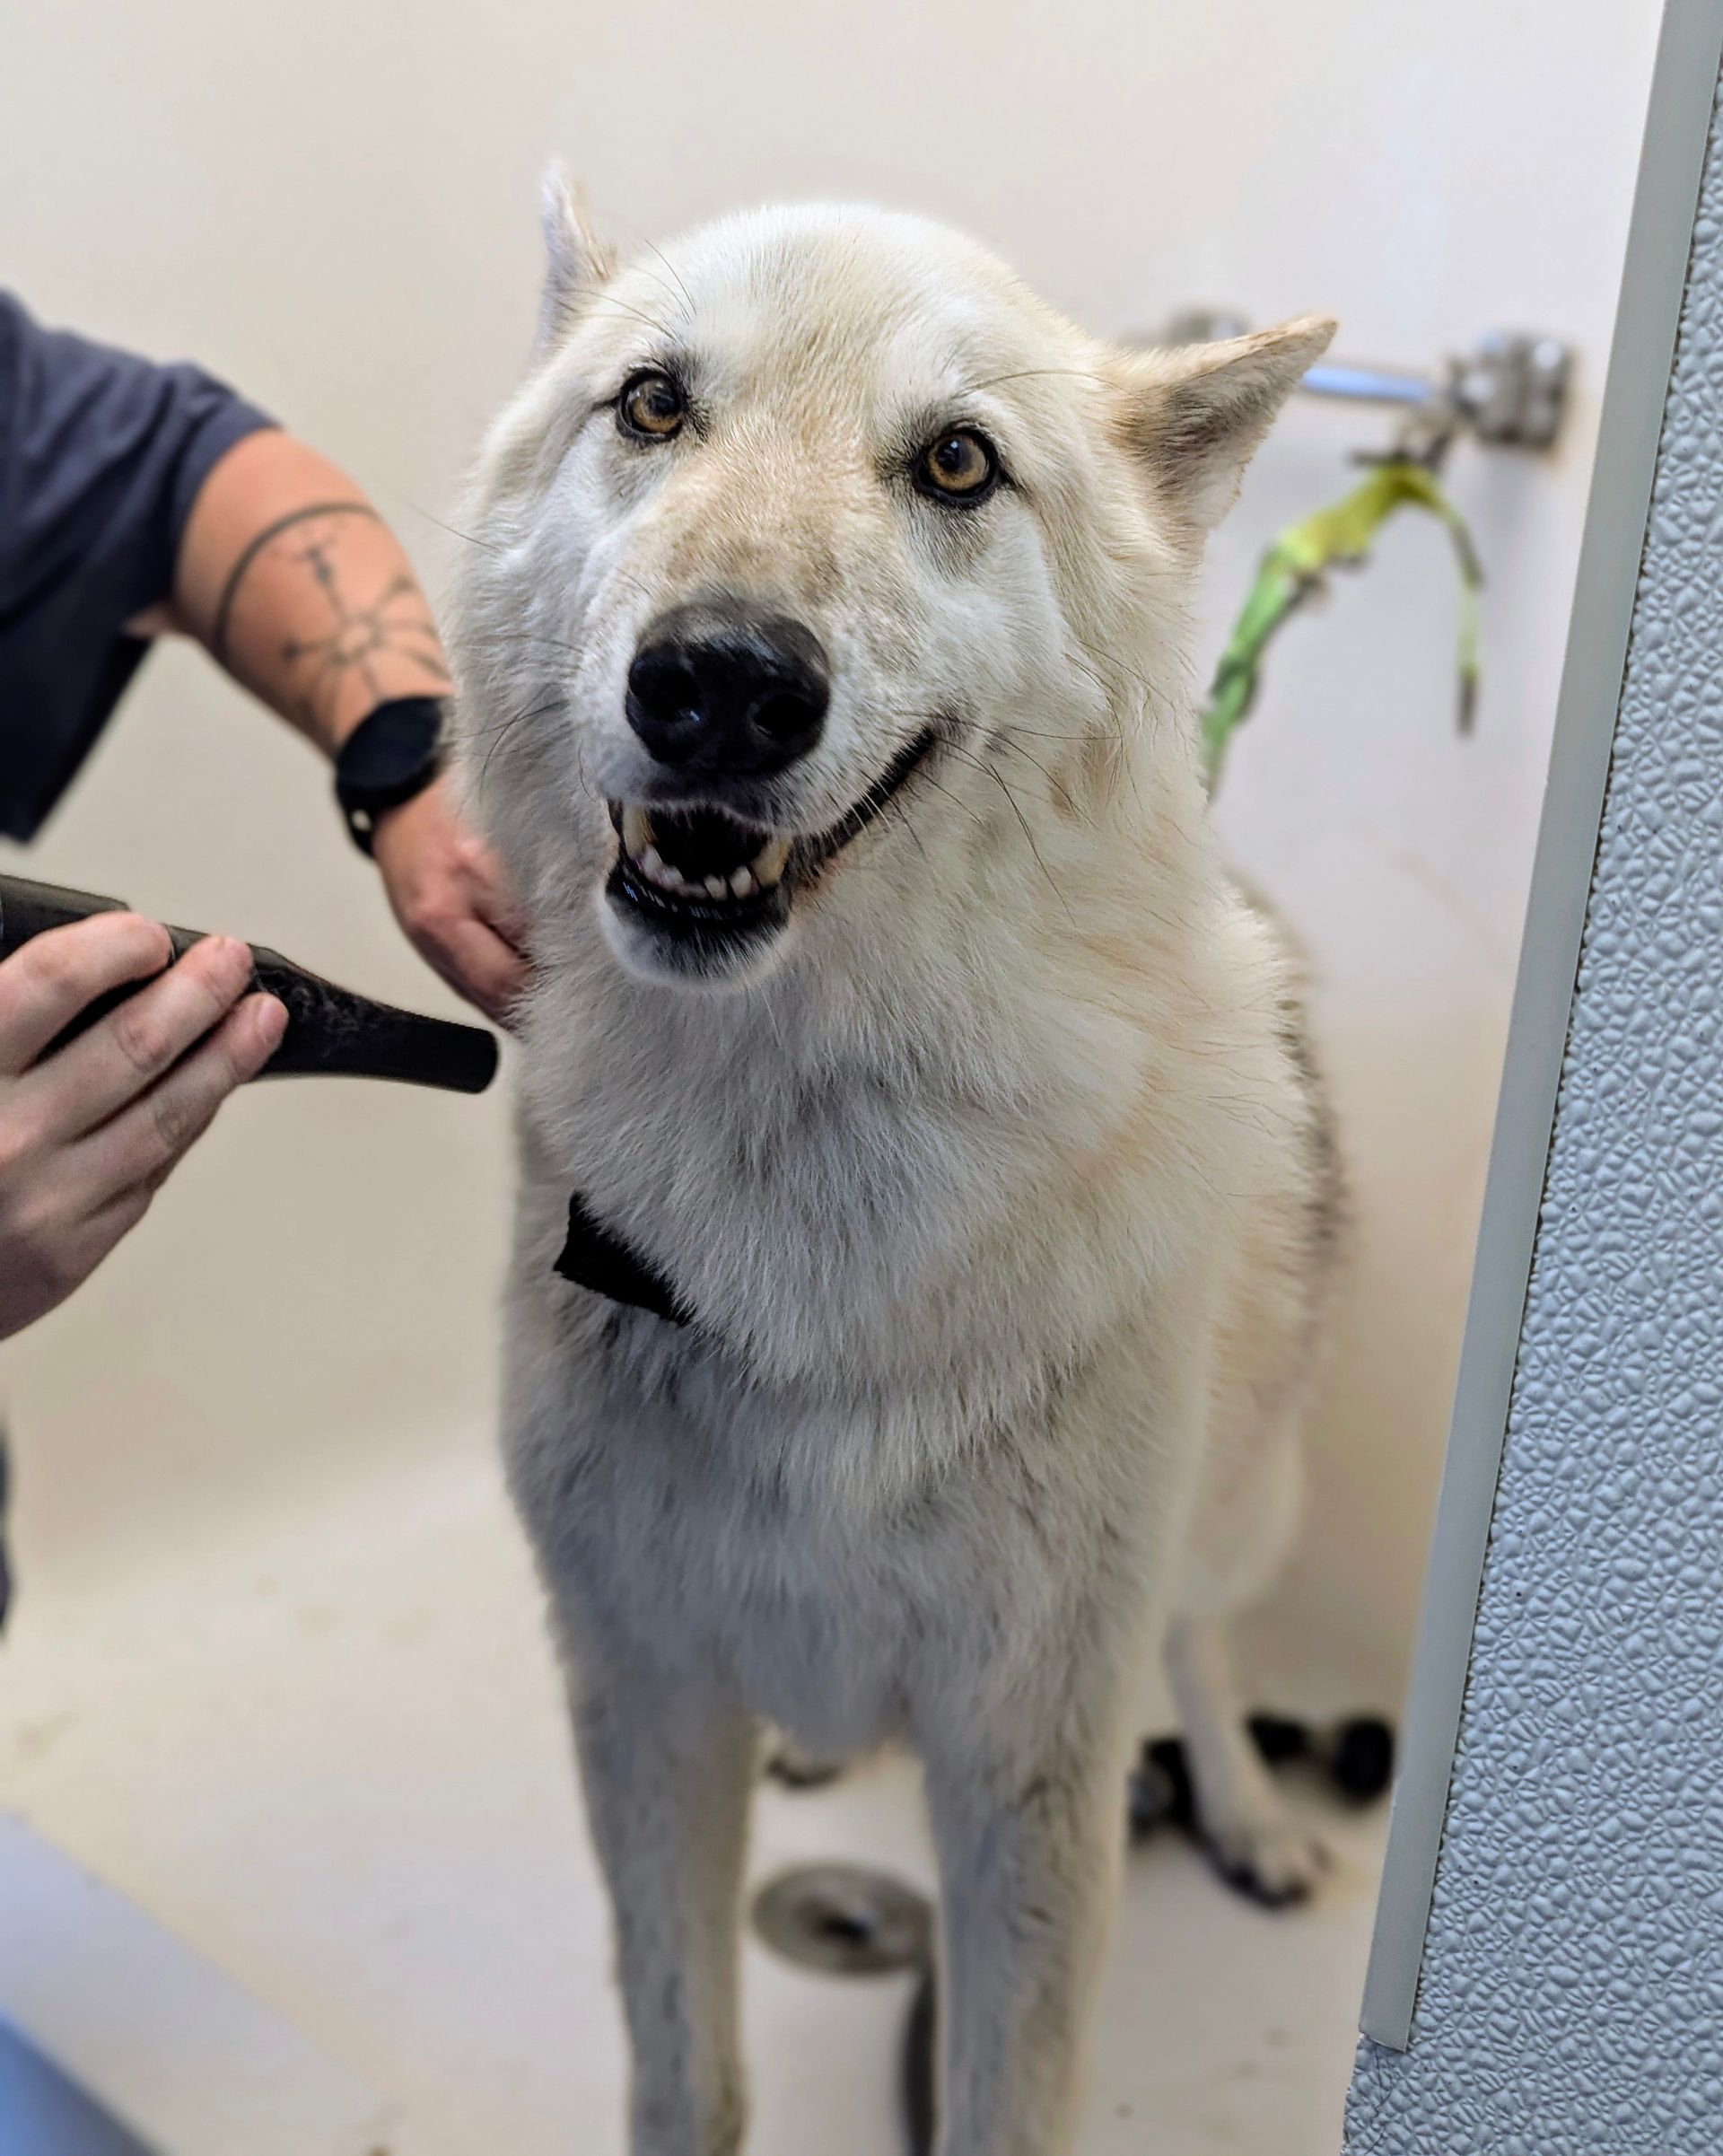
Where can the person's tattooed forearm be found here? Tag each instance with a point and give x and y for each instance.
(236, 575)
(359, 638)
(327, 618)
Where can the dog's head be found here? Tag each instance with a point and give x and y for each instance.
(815, 541)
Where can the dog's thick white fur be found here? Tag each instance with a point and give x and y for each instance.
(993, 1177)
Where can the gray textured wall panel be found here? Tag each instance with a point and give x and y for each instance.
(1571, 1998)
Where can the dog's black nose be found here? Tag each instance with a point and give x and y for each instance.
(725, 687)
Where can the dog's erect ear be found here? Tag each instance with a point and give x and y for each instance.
(1196, 414)
(575, 263)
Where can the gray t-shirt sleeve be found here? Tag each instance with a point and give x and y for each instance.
(101, 456)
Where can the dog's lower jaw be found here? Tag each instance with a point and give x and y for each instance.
(729, 958)
(717, 907)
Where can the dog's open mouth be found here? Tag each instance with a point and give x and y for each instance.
(701, 875)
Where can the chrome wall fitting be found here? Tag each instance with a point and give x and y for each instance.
(1511, 391)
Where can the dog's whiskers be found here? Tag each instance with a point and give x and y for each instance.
(587, 786)
(511, 726)
(994, 381)
(1115, 703)
(616, 306)
(1017, 810)
(640, 268)
(898, 810)
(508, 640)
(974, 814)
(454, 531)
(676, 273)
(1005, 740)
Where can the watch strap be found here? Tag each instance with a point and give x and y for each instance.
(394, 753)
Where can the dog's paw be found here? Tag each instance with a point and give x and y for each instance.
(1271, 1861)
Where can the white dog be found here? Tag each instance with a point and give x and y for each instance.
(925, 1205)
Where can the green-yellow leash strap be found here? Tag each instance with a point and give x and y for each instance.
(1295, 565)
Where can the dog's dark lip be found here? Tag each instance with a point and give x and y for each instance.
(713, 921)
(709, 920)
(812, 854)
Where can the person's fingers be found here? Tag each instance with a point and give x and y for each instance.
(125, 1054)
(493, 901)
(44, 986)
(449, 894)
(478, 964)
(142, 1143)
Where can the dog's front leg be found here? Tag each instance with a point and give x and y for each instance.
(1026, 1738)
(1030, 1838)
(668, 1769)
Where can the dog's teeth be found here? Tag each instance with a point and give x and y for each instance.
(768, 863)
(640, 846)
(659, 871)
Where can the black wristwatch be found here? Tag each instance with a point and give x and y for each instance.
(389, 757)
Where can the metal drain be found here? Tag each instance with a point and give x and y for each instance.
(844, 1920)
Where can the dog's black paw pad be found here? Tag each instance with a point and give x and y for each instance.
(1362, 1760)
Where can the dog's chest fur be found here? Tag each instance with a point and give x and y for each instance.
(926, 1260)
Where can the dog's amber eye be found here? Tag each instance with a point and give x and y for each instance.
(957, 466)
(652, 404)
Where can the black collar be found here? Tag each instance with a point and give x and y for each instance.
(593, 1258)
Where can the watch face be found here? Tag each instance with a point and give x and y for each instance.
(396, 746)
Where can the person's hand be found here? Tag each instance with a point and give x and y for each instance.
(447, 894)
(89, 1133)
(277, 544)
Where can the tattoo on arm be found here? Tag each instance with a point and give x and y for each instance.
(394, 623)
(337, 639)
(271, 532)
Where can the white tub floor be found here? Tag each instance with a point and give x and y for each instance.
(324, 1749)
